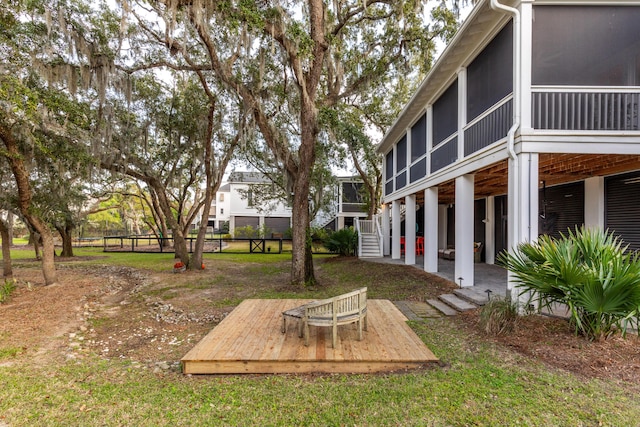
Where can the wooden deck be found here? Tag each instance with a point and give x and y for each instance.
(249, 341)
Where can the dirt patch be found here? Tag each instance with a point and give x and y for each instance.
(153, 319)
(552, 341)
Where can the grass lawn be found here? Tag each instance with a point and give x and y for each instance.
(477, 383)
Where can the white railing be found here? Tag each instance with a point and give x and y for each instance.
(591, 108)
(356, 225)
(378, 220)
(368, 226)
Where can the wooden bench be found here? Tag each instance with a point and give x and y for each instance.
(340, 310)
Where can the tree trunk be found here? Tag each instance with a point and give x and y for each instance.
(7, 271)
(24, 204)
(10, 226)
(302, 261)
(301, 264)
(161, 222)
(209, 194)
(179, 242)
(34, 239)
(66, 233)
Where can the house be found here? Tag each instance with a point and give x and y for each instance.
(528, 123)
(347, 204)
(241, 207)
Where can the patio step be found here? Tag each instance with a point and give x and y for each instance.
(456, 302)
(472, 295)
(442, 307)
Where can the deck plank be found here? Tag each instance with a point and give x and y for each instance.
(249, 340)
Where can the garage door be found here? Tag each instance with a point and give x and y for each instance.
(277, 224)
(243, 221)
(561, 208)
(622, 213)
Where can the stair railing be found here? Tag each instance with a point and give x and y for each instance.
(377, 219)
(356, 225)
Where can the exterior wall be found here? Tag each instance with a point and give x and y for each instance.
(471, 120)
(603, 98)
(223, 207)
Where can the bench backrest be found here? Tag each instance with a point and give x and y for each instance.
(351, 303)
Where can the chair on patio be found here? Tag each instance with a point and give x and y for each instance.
(340, 310)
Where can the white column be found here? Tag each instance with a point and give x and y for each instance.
(395, 225)
(464, 267)
(526, 31)
(340, 224)
(594, 202)
(431, 240)
(443, 225)
(462, 109)
(410, 230)
(386, 231)
(490, 231)
(523, 205)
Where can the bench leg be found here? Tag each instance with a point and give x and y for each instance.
(306, 334)
(334, 335)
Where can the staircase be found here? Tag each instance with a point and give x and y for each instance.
(369, 238)
(445, 305)
(370, 246)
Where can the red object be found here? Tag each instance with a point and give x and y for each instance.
(401, 245)
(419, 245)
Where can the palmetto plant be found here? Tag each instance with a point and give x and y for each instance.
(589, 270)
(344, 242)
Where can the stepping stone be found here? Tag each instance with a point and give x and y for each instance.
(423, 310)
(472, 295)
(404, 309)
(457, 303)
(442, 307)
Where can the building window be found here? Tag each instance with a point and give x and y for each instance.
(401, 154)
(586, 45)
(490, 75)
(221, 197)
(419, 138)
(445, 115)
(250, 198)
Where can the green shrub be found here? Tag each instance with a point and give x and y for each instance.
(344, 242)
(247, 232)
(589, 271)
(6, 289)
(498, 316)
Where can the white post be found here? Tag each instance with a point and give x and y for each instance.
(386, 232)
(431, 229)
(395, 225)
(464, 268)
(410, 230)
(594, 202)
(462, 109)
(490, 231)
(523, 206)
(442, 226)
